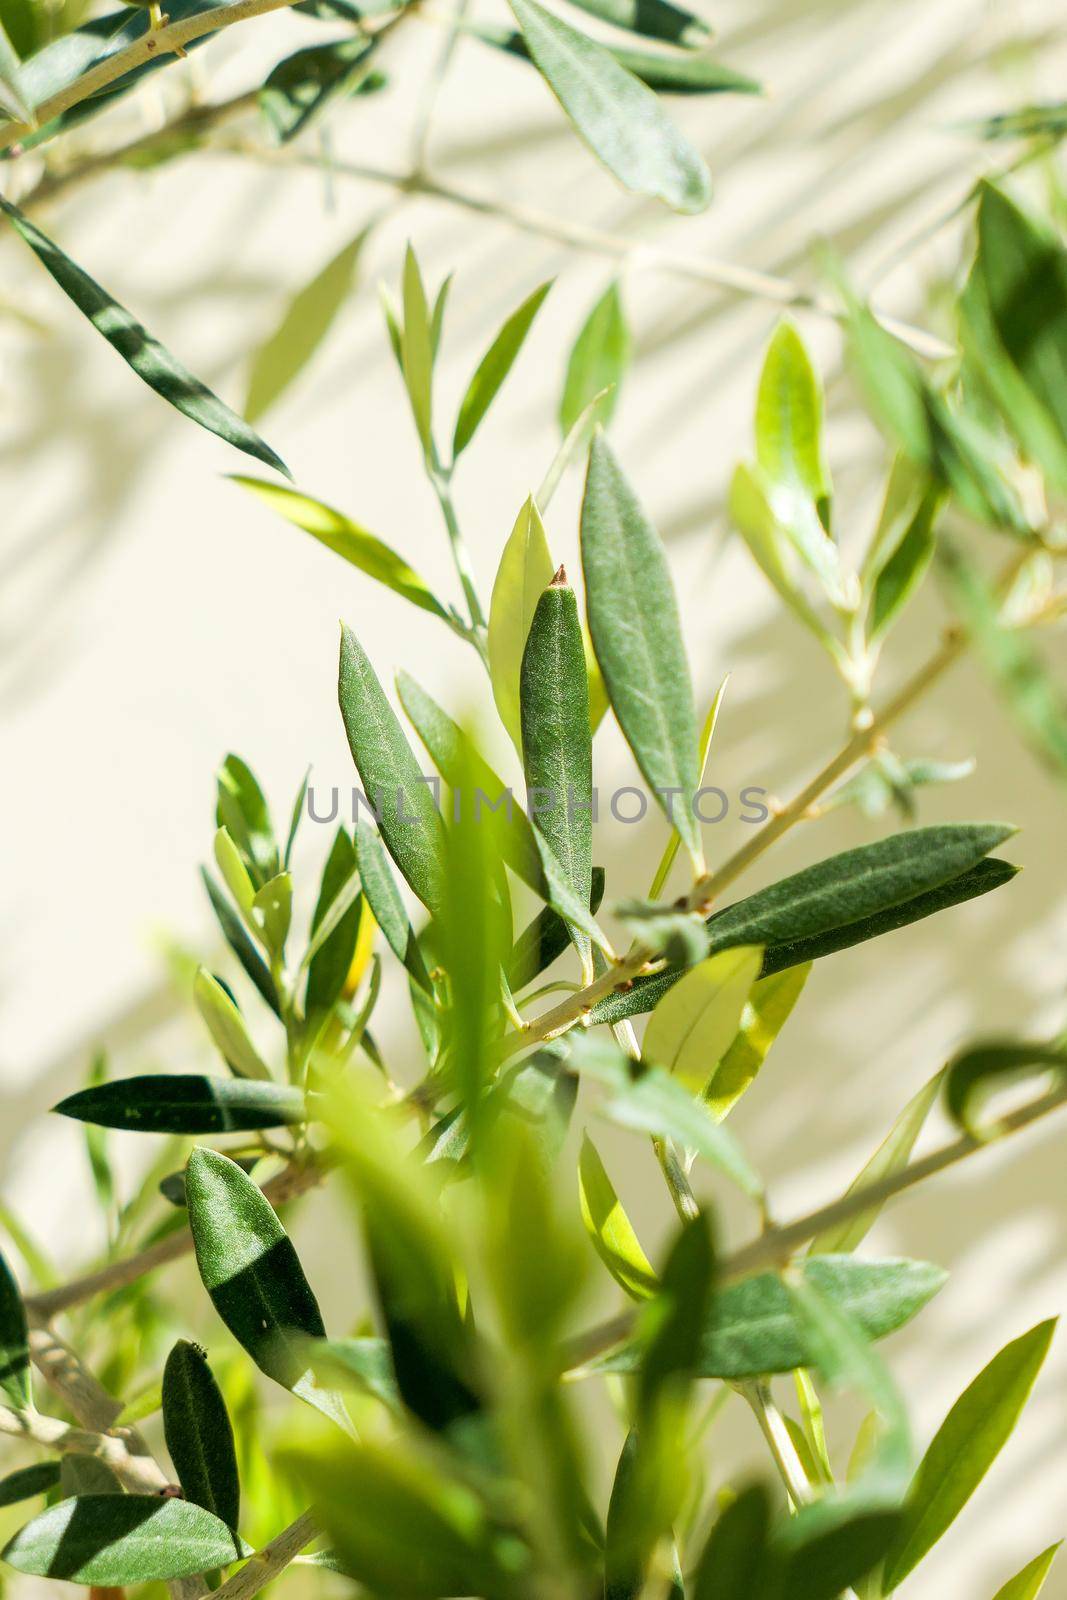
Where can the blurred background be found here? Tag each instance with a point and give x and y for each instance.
(152, 616)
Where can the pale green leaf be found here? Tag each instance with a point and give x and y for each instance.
(1028, 1584)
(14, 1343)
(227, 1027)
(494, 368)
(524, 573)
(770, 1003)
(610, 1228)
(697, 1020)
(597, 363)
(110, 1540)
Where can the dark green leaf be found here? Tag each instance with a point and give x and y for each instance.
(302, 85)
(455, 755)
(903, 571)
(348, 540)
(734, 926)
(633, 618)
(494, 368)
(545, 938)
(14, 1342)
(329, 965)
(29, 1482)
(610, 1228)
(674, 1320)
(981, 1069)
(556, 740)
(752, 1327)
(830, 1546)
(185, 1103)
(404, 805)
(598, 360)
(964, 1448)
(618, 117)
(153, 364)
(117, 1539)
(308, 318)
(241, 808)
(736, 1561)
(241, 945)
(383, 897)
(199, 1435)
(252, 1273)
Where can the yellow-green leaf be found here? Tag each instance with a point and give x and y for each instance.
(226, 1026)
(1028, 1584)
(610, 1228)
(694, 1024)
(765, 1014)
(524, 574)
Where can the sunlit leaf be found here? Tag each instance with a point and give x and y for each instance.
(494, 368)
(598, 361)
(769, 1006)
(964, 1448)
(348, 540)
(307, 320)
(330, 965)
(697, 1019)
(383, 897)
(980, 1070)
(1028, 1584)
(117, 1539)
(227, 1028)
(618, 117)
(524, 573)
(152, 363)
(303, 84)
(239, 942)
(610, 1228)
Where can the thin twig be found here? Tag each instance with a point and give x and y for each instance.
(137, 1472)
(777, 1245)
(266, 1564)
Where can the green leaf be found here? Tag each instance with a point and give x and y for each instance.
(654, 19)
(405, 810)
(697, 1020)
(752, 1327)
(981, 1069)
(362, 1364)
(152, 363)
(1028, 1584)
(679, 935)
(241, 945)
(672, 1324)
(307, 320)
(597, 362)
(649, 1100)
(273, 906)
(707, 734)
(769, 1006)
(329, 966)
(789, 417)
(383, 897)
(633, 618)
(902, 573)
(199, 1435)
(226, 1026)
(109, 1540)
(1033, 695)
(229, 861)
(417, 352)
(241, 808)
(524, 573)
(303, 84)
(28, 1482)
(891, 1156)
(12, 100)
(735, 1563)
(831, 1546)
(348, 540)
(458, 760)
(185, 1103)
(545, 938)
(752, 513)
(494, 368)
(979, 880)
(610, 1228)
(252, 1273)
(619, 118)
(14, 1343)
(964, 1448)
(1014, 312)
(557, 745)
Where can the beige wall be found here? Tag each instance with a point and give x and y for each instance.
(152, 617)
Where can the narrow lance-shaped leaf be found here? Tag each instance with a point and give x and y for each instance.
(227, 1028)
(524, 573)
(407, 817)
(964, 1448)
(556, 741)
(1028, 1584)
(619, 118)
(981, 1069)
(110, 1540)
(199, 1436)
(987, 875)
(12, 99)
(28, 1482)
(770, 1004)
(153, 364)
(252, 1273)
(383, 897)
(891, 1156)
(697, 1020)
(330, 964)
(610, 1228)
(655, 19)
(348, 540)
(240, 943)
(903, 570)
(304, 325)
(736, 1561)
(598, 361)
(417, 351)
(185, 1103)
(457, 759)
(494, 368)
(14, 1342)
(752, 1327)
(633, 617)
